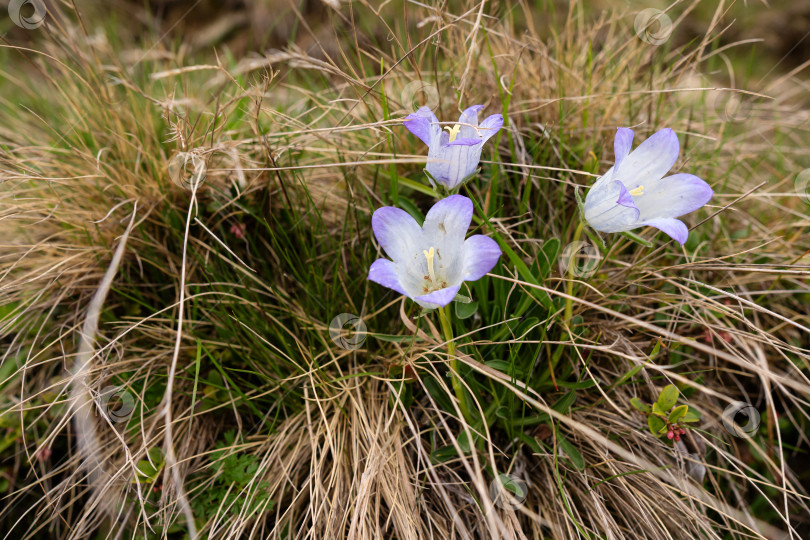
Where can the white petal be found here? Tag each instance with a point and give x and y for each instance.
(650, 161)
(396, 231)
(603, 211)
(673, 196)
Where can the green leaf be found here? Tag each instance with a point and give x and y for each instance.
(639, 405)
(692, 415)
(577, 385)
(525, 273)
(510, 484)
(572, 452)
(549, 252)
(677, 413)
(464, 442)
(636, 238)
(631, 373)
(465, 311)
(145, 470)
(391, 338)
(530, 442)
(655, 351)
(656, 424)
(445, 453)
(156, 456)
(563, 404)
(499, 365)
(408, 205)
(668, 397)
(402, 392)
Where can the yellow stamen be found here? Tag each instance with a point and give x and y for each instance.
(453, 131)
(638, 192)
(429, 256)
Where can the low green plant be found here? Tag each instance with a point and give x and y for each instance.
(665, 417)
(234, 475)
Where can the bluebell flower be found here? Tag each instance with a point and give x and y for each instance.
(634, 192)
(453, 152)
(429, 263)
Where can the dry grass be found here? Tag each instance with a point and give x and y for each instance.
(299, 146)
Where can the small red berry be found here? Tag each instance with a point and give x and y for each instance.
(682, 431)
(670, 434)
(43, 454)
(677, 438)
(410, 374)
(238, 230)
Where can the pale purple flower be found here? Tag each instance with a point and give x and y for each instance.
(430, 262)
(453, 152)
(634, 192)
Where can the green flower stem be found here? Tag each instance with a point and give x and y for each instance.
(458, 388)
(569, 308)
(569, 304)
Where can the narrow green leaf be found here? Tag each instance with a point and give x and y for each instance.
(396, 339)
(563, 405)
(637, 239)
(572, 452)
(531, 443)
(549, 252)
(655, 350)
(499, 365)
(577, 385)
(513, 257)
(443, 454)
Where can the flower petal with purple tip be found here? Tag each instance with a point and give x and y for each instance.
(481, 254)
(674, 196)
(384, 272)
(450, 217)
(625, 199)
(675, 228)
(464, 142)
(622, 144)
(424, 124)
(490, 126)
(469, 121)
(439, 298)
(604, 211)
(396, 231)
(650, 161)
